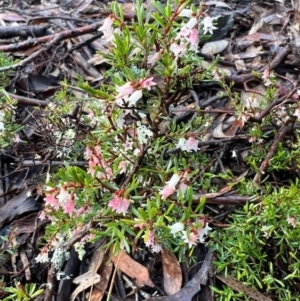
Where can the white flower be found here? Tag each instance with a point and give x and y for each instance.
(173, 181)
(181, 144)
(63, 197)
(208, 26)
(177, 227)
(202, 232)
(137, 152)
(155, 248)
(187, 13)
(297, 113)
(42, 257)
(192, 23)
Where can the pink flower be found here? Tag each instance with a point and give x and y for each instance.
(166, 191)
(119, 204)
(148, 83)
(178, 50)
(88, 152)
(292, 221)
(17, 138)
(42, 215)
(174, 180)
(52, 201)
(183, 33)
(182, 187)
(191, 239)
(149, 238)
(127, 145)
(69, 207)
(192, 144)
(170, 186)
(107, 28)
(122, 166)
(152, 59)
(80, 211)
(194, 39)
(126, 89)
(134, 97)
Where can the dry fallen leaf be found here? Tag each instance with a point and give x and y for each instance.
(132, 269)
(85, 280)
(171, 271)
(240, 287)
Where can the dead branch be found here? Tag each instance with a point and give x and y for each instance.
(51, 40)
(23, 31)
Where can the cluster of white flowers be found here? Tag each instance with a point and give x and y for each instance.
(144, 133)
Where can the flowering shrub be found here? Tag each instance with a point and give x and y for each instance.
(131, 188)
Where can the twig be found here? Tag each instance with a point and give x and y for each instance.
(28, 101)
(264, 165)
(51, 283)
(51, 40)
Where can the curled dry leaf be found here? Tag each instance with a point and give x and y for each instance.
(171, 271)
(85, 280)
(104, 271)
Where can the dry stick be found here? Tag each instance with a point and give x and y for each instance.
(51, 283)
(25, 31)
(282, 132)
(50, 40)
(281, 100)
(28, 101)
